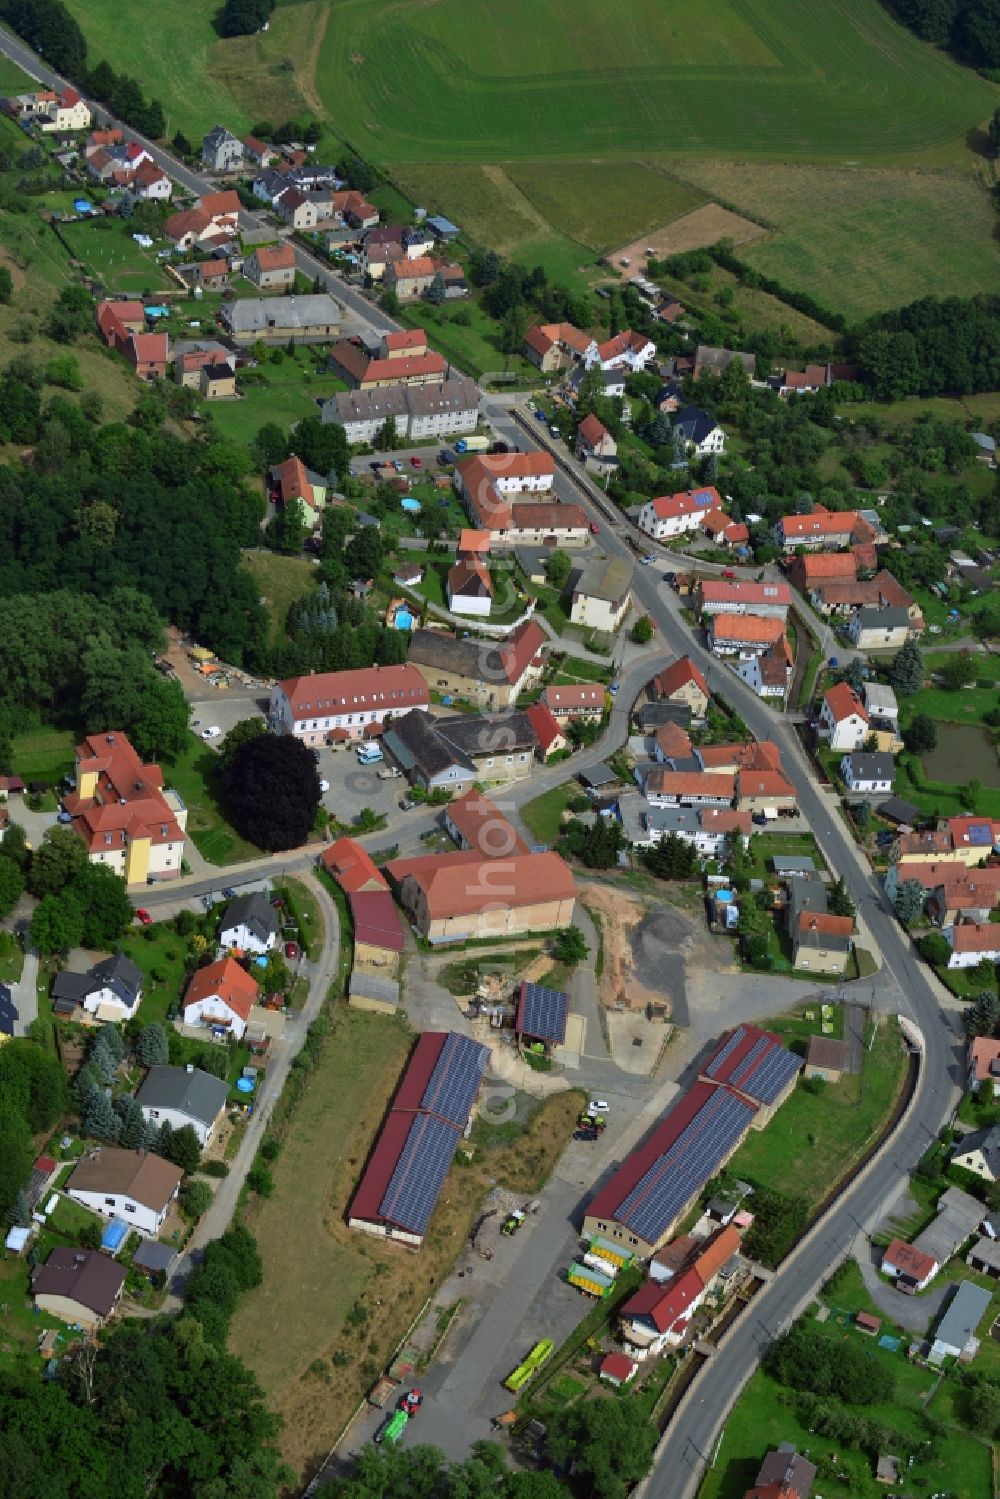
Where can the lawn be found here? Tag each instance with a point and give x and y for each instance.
(20, 1325)
(856, 240)
(292, 388)
(161, 958)
(12, 80)
(303, 907)
(107, 249)
(193, 775)
(764, 847)
(281, 581)
(815, 1140)
(475, 347)
(44, 754)
(543, 816)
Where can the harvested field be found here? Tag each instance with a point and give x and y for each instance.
(702, 226)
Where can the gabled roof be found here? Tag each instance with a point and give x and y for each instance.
(136, 1174)
(276, 258)
(90, 1279)
(352, 867)
(818, 523)
(984, 1055)
(452, 888)
(394, 689)
(677, 675)
(747, 629)
(826, 565)
(592, 430)
(225, 980)
(546, 727)
(665, 1303)
(469, 579)
(720, 591)
(686, 502)
(483, 826)
(975, 937)
(843, 703)
(194, 1093)
(253, 911)
(576, 697)
(909, 1260)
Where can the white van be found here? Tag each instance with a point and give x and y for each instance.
(370, 754)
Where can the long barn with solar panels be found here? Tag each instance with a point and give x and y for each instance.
(408, 1166)
(653, 1189)
(756, 1066)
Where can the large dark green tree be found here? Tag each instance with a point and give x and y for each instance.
(272, 791)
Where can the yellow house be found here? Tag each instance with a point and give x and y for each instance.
(123, 813)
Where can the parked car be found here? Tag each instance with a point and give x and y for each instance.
(407, 804)
(595, 529)
(540, 416)
(669, 577)
(291, 950)
(324, 785)
(416, 462)
(212, 732)
(614, 687)
(143, 916)
(397, 465)
(554, 430)
(597, 1106)
(727, 572)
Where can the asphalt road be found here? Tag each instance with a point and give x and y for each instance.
(197, 183)
(686, 1449)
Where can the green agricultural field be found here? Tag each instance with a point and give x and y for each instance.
(861, 240)
(604, 203)
(575, 77)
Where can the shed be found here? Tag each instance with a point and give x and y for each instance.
(826, 1058)
(788, 864)
(600, 776)
(618, 1369)
(17, 1239)
(868, 1324)
(894, 809)
(152, 1256)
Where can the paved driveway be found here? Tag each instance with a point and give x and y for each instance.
(25, 995)
(915, 1313)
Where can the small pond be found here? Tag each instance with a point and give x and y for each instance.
(964, 752)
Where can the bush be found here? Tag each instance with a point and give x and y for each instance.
(215, 1168)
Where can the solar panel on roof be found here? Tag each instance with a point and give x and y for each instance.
(980, 834)
(771, 1075)
(742, 1074)
(455, 1080)
(543, 1013)
(728, 1048)
(416, 1183)
(677, 1175)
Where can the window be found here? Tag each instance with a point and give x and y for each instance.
(154, 1113)
(632, 1239)
(109, 1202)
(130, 1207)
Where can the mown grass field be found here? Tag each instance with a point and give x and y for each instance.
(575, 77)
(108, 250)
(860, 240)
(603, 203)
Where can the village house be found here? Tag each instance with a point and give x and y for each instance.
(682, 682)
(623, 351)
(477, 823)
(723, 532)
(843, 718)
(678, 788)
(271, 267)
(110, 990)
(973, 943)
(709, 361)
(595, 446)
(485, 672)
(441, 408)
(353, 209)
(555, 346)
(765, 791)
(249, 924)
(221, 997)
(123, 813)
(822, 942)
(453, 751)
(258, 153)
(78, 1286)
(719, 596)
(133, 1185)
(984, 1065)
(546, 729)
(410, 279)
(744, 635)
(217, 381)
(602, 595)
(672, 515)
(469, 589)
(291, 483)
(784, 1474)
(182, 1096)
(150, 184)
(658, 1315)
(768, 674)
(487, 482)
(63, 113)
(818, 529)
(463, 897)
(965, 895)
(336, 706)
(401, 359)
(221, 151)
(867, 773)
(980, 1152)
(565, 703)
(701, 433)
(297, 209)
(879, 629)
(308, 319)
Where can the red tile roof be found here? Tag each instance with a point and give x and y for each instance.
(592, 430)
(546, 727)
(484, 827)
(984, 1054)
(819, 523)
(473, 543)
(827, 565)
(226, 980)
(910, 1260)
(520, 649)
(844, 703)
(394, 689)
(376, 920)
(220, 205)
(747, 629)
(293, 482)
(352, 867)
(665, 1303)
(932, 874)
(673, 741)
(975, 937)
(409, 338)
(567, 700)
(618, 1366)
(719, 591)
(694, 783)
(686, 502)
(453, 888)
(276, 258)
(677, 675)
(547, 515)
(824, 924)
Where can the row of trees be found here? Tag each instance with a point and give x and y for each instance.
(968, 28)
